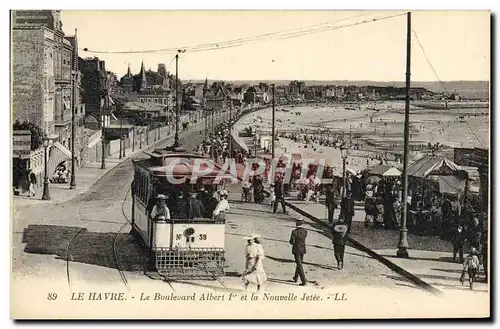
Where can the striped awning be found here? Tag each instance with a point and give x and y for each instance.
(58, 154)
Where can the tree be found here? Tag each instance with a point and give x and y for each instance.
(36, 133)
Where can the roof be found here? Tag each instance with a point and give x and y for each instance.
(206, 168)
(379, 170)
(432, 164)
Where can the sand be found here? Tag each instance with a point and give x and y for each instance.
(383, 133)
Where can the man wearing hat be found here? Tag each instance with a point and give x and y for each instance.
(339, 231)
(330, 203)
(196, 208)
(298, 242)
(160, 211)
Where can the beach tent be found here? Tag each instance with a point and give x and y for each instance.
(383, 170)
(432, 165)
(393, 172)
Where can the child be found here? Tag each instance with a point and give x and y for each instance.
(272, 196)
(471, 265)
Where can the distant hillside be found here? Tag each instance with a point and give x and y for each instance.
(468, 89)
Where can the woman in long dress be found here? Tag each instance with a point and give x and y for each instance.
(254, 268)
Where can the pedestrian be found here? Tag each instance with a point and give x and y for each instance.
(196, 208)
(330, 203)
(298, 242)
(347, 210)
(475, 233)
(32, 183)
(254, 267)
(370, 206)
(459, 237)
(471, 266)
(222, 207)
(272, 197)
(280, 198)
(339, 231)
(160, 211)
(484, 253)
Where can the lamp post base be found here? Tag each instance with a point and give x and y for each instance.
(45, 194)
(72, 184)
(403, 244)
(176, 140)
(402, 253)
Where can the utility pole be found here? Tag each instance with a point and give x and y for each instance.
(403, 233)
(103, 123)
(273, 124)
(72, 184)
(177, 104)
(121, 136)
(230, 128)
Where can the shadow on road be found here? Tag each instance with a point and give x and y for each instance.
(92, 248)
(284, 260)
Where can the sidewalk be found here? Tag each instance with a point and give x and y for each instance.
(87, 176)
(435, 267)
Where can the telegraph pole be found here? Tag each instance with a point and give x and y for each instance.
(103, 130)
(121, 136)
(273, 124)
(403, 233)
(72, 184)
(230, 128)
(177, 104)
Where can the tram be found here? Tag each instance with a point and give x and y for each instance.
(182, 246)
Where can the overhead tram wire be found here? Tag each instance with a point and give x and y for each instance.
(429, 62)
(224, 43)
(444, 88)
(260, 38)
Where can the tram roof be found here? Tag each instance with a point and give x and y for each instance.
(190, 168)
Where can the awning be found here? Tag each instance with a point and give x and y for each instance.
(450, 184)
(392, 172)
(58, 154)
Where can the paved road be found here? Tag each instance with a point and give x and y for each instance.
(92, 232)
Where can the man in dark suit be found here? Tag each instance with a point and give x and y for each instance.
(280, 197)
(347, 210)
(339, 231)
(330, 203)
(298, 242)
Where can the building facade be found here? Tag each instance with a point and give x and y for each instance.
(42, 73)
(93, 82)
(43, 67)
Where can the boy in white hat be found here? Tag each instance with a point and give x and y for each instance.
(471, 265)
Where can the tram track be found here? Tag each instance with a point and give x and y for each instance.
(114, 248)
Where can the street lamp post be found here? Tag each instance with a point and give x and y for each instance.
(273, 125)
(230, 128)
(343, 154)
(74, 76)
(121, 138)
(403, 233)
(46, 193)
(177, 103)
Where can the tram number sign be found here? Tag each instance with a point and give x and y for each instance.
(191, 238)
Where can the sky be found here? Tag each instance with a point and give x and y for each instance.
(457, 44)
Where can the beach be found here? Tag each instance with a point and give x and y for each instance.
(377, 128)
